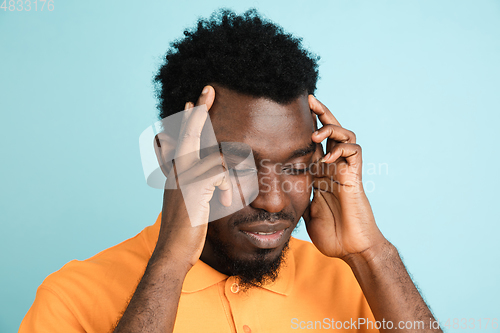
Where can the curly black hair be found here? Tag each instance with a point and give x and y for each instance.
(245, 53)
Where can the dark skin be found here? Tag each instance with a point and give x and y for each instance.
(339, 219)
(274, 132)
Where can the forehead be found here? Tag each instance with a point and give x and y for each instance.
(271, 129)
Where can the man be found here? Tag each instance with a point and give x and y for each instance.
(244, 272)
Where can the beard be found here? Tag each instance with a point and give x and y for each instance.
(254, 272)
(260, 269)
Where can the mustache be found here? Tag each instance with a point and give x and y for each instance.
(263, 215)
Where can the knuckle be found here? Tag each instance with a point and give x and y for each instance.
(330, 128)
(191, 135)
(353, 136)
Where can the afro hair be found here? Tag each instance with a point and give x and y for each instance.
(245, 53)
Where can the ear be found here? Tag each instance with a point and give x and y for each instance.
(164, 146)
(318, 154)
(315, 120)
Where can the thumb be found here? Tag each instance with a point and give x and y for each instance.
(307, 213)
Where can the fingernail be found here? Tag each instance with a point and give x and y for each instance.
(316, 132)
(327, 156)
(205, 91)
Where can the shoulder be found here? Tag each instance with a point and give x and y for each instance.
(122, 259)
(325, 285)
(310, 263)
(97, 289)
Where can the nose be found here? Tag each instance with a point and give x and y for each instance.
(272, 196)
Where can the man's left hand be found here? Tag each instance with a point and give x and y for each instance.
(339, 220)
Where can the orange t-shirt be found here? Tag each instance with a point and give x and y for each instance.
(312, 292)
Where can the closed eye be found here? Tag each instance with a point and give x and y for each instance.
(294, 171)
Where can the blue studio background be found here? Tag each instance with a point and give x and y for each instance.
(417, 81)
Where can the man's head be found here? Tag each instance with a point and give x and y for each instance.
(262, 78)
(246, 53)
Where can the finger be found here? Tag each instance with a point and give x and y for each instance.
(324, 114)
(350, 151)
(189, 137)
(224, 184)
(335, 133)
(201, 168)
(226, 190)
(185, 117)
(326, 184)
(192, 126)
(216, 177)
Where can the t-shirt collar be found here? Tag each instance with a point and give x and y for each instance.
(202, 276)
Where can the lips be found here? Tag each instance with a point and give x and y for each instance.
(265, 235)
(265, 227)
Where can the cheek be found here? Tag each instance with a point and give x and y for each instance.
(216, 230)
(301, 193)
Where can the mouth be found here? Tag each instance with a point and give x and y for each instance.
(266, 236)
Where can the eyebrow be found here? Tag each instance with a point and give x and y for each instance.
(303, 151)
(237, 149)
(230, 148)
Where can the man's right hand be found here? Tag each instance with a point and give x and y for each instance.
(153, 306)
(182, 235)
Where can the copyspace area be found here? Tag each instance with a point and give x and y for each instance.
(417, 81)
